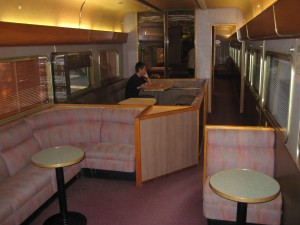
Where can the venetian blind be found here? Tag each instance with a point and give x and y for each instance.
(277, 87)
(24, 85)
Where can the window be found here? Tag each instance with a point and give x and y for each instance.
(109, 65)
(25, 84)
(239, 58)
(231, 52)
(277, 87)
(72, 74)
(255, 76)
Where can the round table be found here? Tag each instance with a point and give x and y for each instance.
(244, 186)
(59, 157)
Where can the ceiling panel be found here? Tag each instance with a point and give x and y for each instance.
(104, 15)
(173, 4)
(249, 8)
(108, 14)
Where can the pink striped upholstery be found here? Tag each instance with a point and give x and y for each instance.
(249, 149)
(3, 169)
(109, 156)
(117, 133)
(7, 216)
(105, 134)
(66, 127)
(233, 147)
(17, 145)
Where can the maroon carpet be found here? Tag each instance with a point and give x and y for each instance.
(225, 104)
(172, 200)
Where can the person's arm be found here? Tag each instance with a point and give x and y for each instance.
(147, 79)
(146, 86)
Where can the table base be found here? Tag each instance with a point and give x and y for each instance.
(75, 218)
(241, 215)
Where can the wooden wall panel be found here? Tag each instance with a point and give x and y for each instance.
(14, 34)
(287, 13)
(243, 33)
(169, 143)
(262, 26)
(286, 24)
(107, 37)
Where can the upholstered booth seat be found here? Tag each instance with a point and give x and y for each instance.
(228, 147)
(105, 134)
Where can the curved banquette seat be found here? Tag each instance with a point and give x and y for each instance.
(106, 134)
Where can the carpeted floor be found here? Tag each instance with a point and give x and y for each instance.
(225, 104)
(172, 200)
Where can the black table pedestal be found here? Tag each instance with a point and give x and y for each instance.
(64, 217)
(241, 215)
(74, 218)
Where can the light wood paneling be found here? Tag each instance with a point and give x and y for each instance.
(265, 20)
(169, 143)
(287, 17)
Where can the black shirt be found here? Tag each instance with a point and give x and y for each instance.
(133, 86)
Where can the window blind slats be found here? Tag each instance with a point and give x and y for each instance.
(278, 84)
(23, 85)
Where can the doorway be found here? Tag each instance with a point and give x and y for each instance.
(220, 54)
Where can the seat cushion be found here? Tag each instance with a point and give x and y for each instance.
(111, 151)
(110, 156)
(218, 208)
(20, 188)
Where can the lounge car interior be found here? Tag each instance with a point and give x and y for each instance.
(73, 150)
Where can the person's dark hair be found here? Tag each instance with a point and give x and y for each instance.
(139, 65)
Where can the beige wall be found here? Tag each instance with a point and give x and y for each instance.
(130, 49)
(204, 20)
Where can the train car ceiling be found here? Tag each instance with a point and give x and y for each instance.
(249, 8)
(105, 15)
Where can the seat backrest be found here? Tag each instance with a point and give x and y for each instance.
(246, 147)
(17, 145)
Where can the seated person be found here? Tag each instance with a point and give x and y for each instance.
(139, 80)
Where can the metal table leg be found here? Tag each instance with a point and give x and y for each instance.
(64, 217)
(241, 215)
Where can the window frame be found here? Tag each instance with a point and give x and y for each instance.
(256, 90)
(248, 64)
(65, 72)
